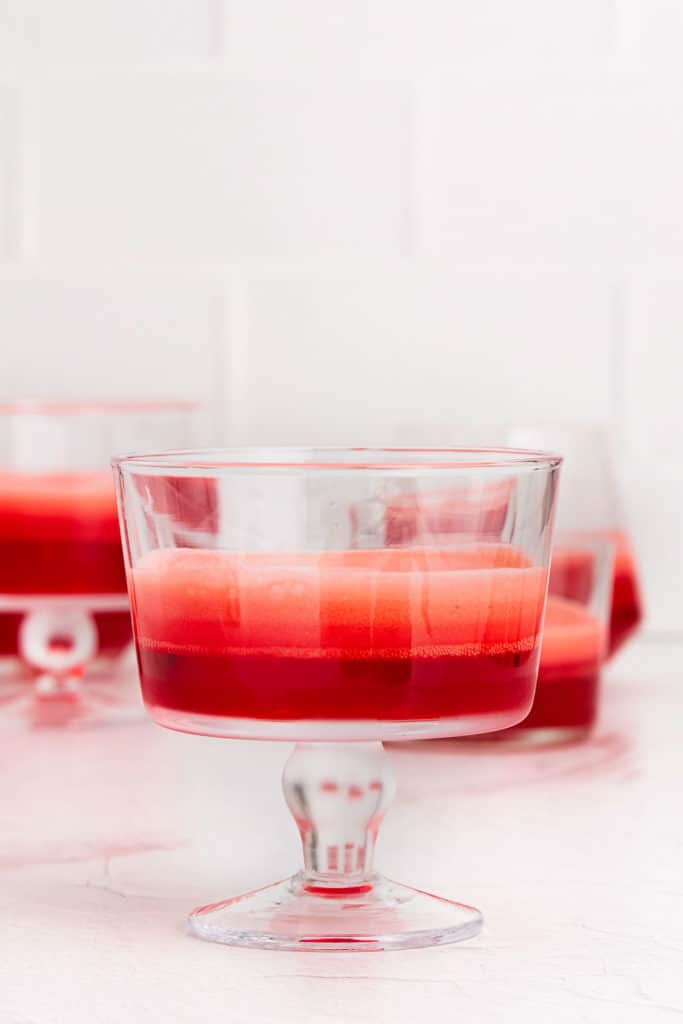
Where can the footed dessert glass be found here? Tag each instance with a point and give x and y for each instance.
(64, 616)
(287, 621)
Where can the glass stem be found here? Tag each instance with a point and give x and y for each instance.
(57, 644)
(338, 794)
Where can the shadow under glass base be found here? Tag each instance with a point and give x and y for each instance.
(533, 737)
(376, 915)
(107, 696)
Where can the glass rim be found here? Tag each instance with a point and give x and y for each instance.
(87, 407)
(338, 458)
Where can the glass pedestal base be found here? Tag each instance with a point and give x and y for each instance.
(374, 915)
(66, 661)
(338, 794)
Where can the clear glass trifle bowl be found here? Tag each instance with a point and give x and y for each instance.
(286, 621)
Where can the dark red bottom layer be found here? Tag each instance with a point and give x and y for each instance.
(53, 566)
(626, 612)
(289, 688)
(566, 698)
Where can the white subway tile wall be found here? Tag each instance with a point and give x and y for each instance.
(9, 164)
(95, 30)
(356, 357)
(650, 30)
(328, 220)
(265, 34)
(198, 167)
(523, 172)
(113, 338)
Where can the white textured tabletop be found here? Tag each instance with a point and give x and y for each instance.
(575, 855)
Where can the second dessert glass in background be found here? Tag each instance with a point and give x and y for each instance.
(594, 581)
(64, 615)
(575, 639)
(589, 504)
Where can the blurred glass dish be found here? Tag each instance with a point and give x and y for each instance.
(426, 517)
(594, 603)
(589, 502)
(64, 612)
(574, 642)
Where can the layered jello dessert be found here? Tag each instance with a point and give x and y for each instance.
(59, 537)
(575, 640)
(445, 638)
(573, 571)
(569, 673)
(64, 611)
(295, 619)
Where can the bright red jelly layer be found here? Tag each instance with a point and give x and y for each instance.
(627, 608)
(404, 634)
(572, 576)
(59, 535)
(569, 673)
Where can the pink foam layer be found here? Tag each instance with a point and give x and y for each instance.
(570, 634)
(360, 604)
(57, 505)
